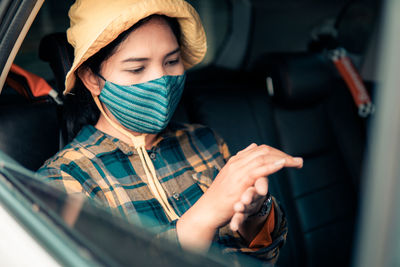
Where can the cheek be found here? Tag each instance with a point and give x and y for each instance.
(125, 78)
(178, 69)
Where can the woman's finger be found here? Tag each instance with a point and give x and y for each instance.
(238, 207)
(255, 171)
(250, 200)
(237, 219)
(261, 186)
(264, 153)
(248, 196)
(294, 162)
(252, 145)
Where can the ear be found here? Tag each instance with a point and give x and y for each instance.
(91, 81)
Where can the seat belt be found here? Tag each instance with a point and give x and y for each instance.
(353, 81)
(30, 85)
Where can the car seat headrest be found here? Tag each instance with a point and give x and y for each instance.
(55, 49)
(297, 79)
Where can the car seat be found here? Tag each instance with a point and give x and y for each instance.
(316, 118)
(28, 122)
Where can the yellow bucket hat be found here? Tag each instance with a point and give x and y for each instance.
(96, 23)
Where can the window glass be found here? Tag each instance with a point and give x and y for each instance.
(52, 17)
(104, 236)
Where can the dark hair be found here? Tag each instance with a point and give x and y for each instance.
(80, 108)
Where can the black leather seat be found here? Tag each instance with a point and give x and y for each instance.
(55, 49)
(316, 118)
(29, 128)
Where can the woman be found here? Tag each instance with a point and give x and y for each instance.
(131, 57)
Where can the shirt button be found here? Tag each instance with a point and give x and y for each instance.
(176, 196)
(152, 155)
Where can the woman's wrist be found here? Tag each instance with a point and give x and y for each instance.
(195, 231)
(255, 222)
(265, 207)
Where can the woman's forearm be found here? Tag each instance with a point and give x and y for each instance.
(195, 231)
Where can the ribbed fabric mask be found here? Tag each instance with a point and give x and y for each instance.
(146, 107)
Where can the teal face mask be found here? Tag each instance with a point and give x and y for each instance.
(145, 107)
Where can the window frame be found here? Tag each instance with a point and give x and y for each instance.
(16, 19)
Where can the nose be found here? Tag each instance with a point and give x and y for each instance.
(159, 72)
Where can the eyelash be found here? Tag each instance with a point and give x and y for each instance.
(170, 62)
(138, 70)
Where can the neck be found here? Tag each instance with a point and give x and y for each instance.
(104, 126)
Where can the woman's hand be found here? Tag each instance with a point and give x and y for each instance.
(250, 203)
(242, 180)
(216, 207)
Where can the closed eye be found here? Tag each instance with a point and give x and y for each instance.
(172, 62)
(137, 70)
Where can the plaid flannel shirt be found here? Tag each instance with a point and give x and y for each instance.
(186, 157)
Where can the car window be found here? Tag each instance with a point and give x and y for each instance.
(52, 17)
(101, 236)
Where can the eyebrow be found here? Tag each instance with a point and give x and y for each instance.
(140, 59)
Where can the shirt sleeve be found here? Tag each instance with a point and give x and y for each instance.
(168, 232)
(261, 248)
(65, 182)
(61, 180)
(263, 238)
(223, 148)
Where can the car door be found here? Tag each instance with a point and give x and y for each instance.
(379, 224)
(16, 17)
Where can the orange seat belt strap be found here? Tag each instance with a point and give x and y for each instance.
(353, 81)
(38, 86)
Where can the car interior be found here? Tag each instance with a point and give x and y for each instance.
(267, 78)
